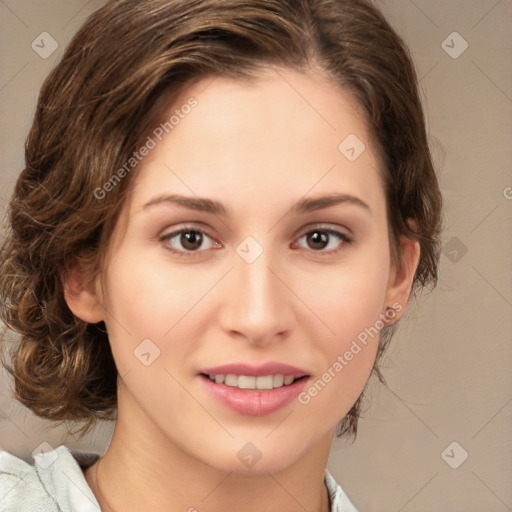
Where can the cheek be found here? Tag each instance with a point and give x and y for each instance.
(147, 296)
(350, 297)
(349, 301)
(141, 304)
(347, 356)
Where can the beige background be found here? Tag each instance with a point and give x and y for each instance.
(449, 366)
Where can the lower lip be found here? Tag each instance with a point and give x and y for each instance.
(254, 402)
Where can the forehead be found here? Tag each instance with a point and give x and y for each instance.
(281, 133)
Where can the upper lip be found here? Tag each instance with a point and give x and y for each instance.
(270, 368)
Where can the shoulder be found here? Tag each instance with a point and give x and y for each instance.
(54, 482)
(339, 500)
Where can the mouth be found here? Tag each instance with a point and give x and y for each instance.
(251, 382)
(254, 390)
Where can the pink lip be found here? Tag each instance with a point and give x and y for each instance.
(254, 402)
(270, 368)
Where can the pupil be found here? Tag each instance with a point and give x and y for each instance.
(318, 238)
(191, 239)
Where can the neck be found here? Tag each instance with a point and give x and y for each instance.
(143, 470)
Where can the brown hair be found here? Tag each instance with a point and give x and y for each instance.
(96, 107)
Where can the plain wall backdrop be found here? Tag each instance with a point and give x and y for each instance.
(449, 366)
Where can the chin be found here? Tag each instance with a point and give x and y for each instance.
(262, 466)
(254, 458)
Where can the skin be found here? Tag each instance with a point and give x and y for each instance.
(258, 147)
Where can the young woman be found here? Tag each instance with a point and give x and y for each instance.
(224, 211)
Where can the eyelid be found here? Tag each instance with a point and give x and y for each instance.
(322, 226)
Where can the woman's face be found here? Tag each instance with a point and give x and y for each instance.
(272, 274)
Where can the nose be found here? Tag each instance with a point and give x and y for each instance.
(257, 305)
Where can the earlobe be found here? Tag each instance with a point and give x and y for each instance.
(81, 298)
(401, 279)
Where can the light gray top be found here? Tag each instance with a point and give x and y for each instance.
(55, 483)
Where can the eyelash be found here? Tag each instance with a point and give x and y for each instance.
(345, 239)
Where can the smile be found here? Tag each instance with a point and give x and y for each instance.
(252, 382)
(240, 394)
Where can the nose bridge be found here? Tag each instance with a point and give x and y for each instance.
(257, 306)
(258, 286)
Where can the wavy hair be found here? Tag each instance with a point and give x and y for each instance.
(100, 102)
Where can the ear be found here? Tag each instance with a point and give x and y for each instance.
(83, 296)
(401, 279)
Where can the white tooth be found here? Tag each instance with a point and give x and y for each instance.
(246, 382)
(251, 382)
(231, 380)
(278, 380)
(265, 382)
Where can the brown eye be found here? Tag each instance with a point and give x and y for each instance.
(191, 240)
(188, 240)
(319, 239)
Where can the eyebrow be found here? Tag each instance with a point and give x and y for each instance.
(305, 205)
